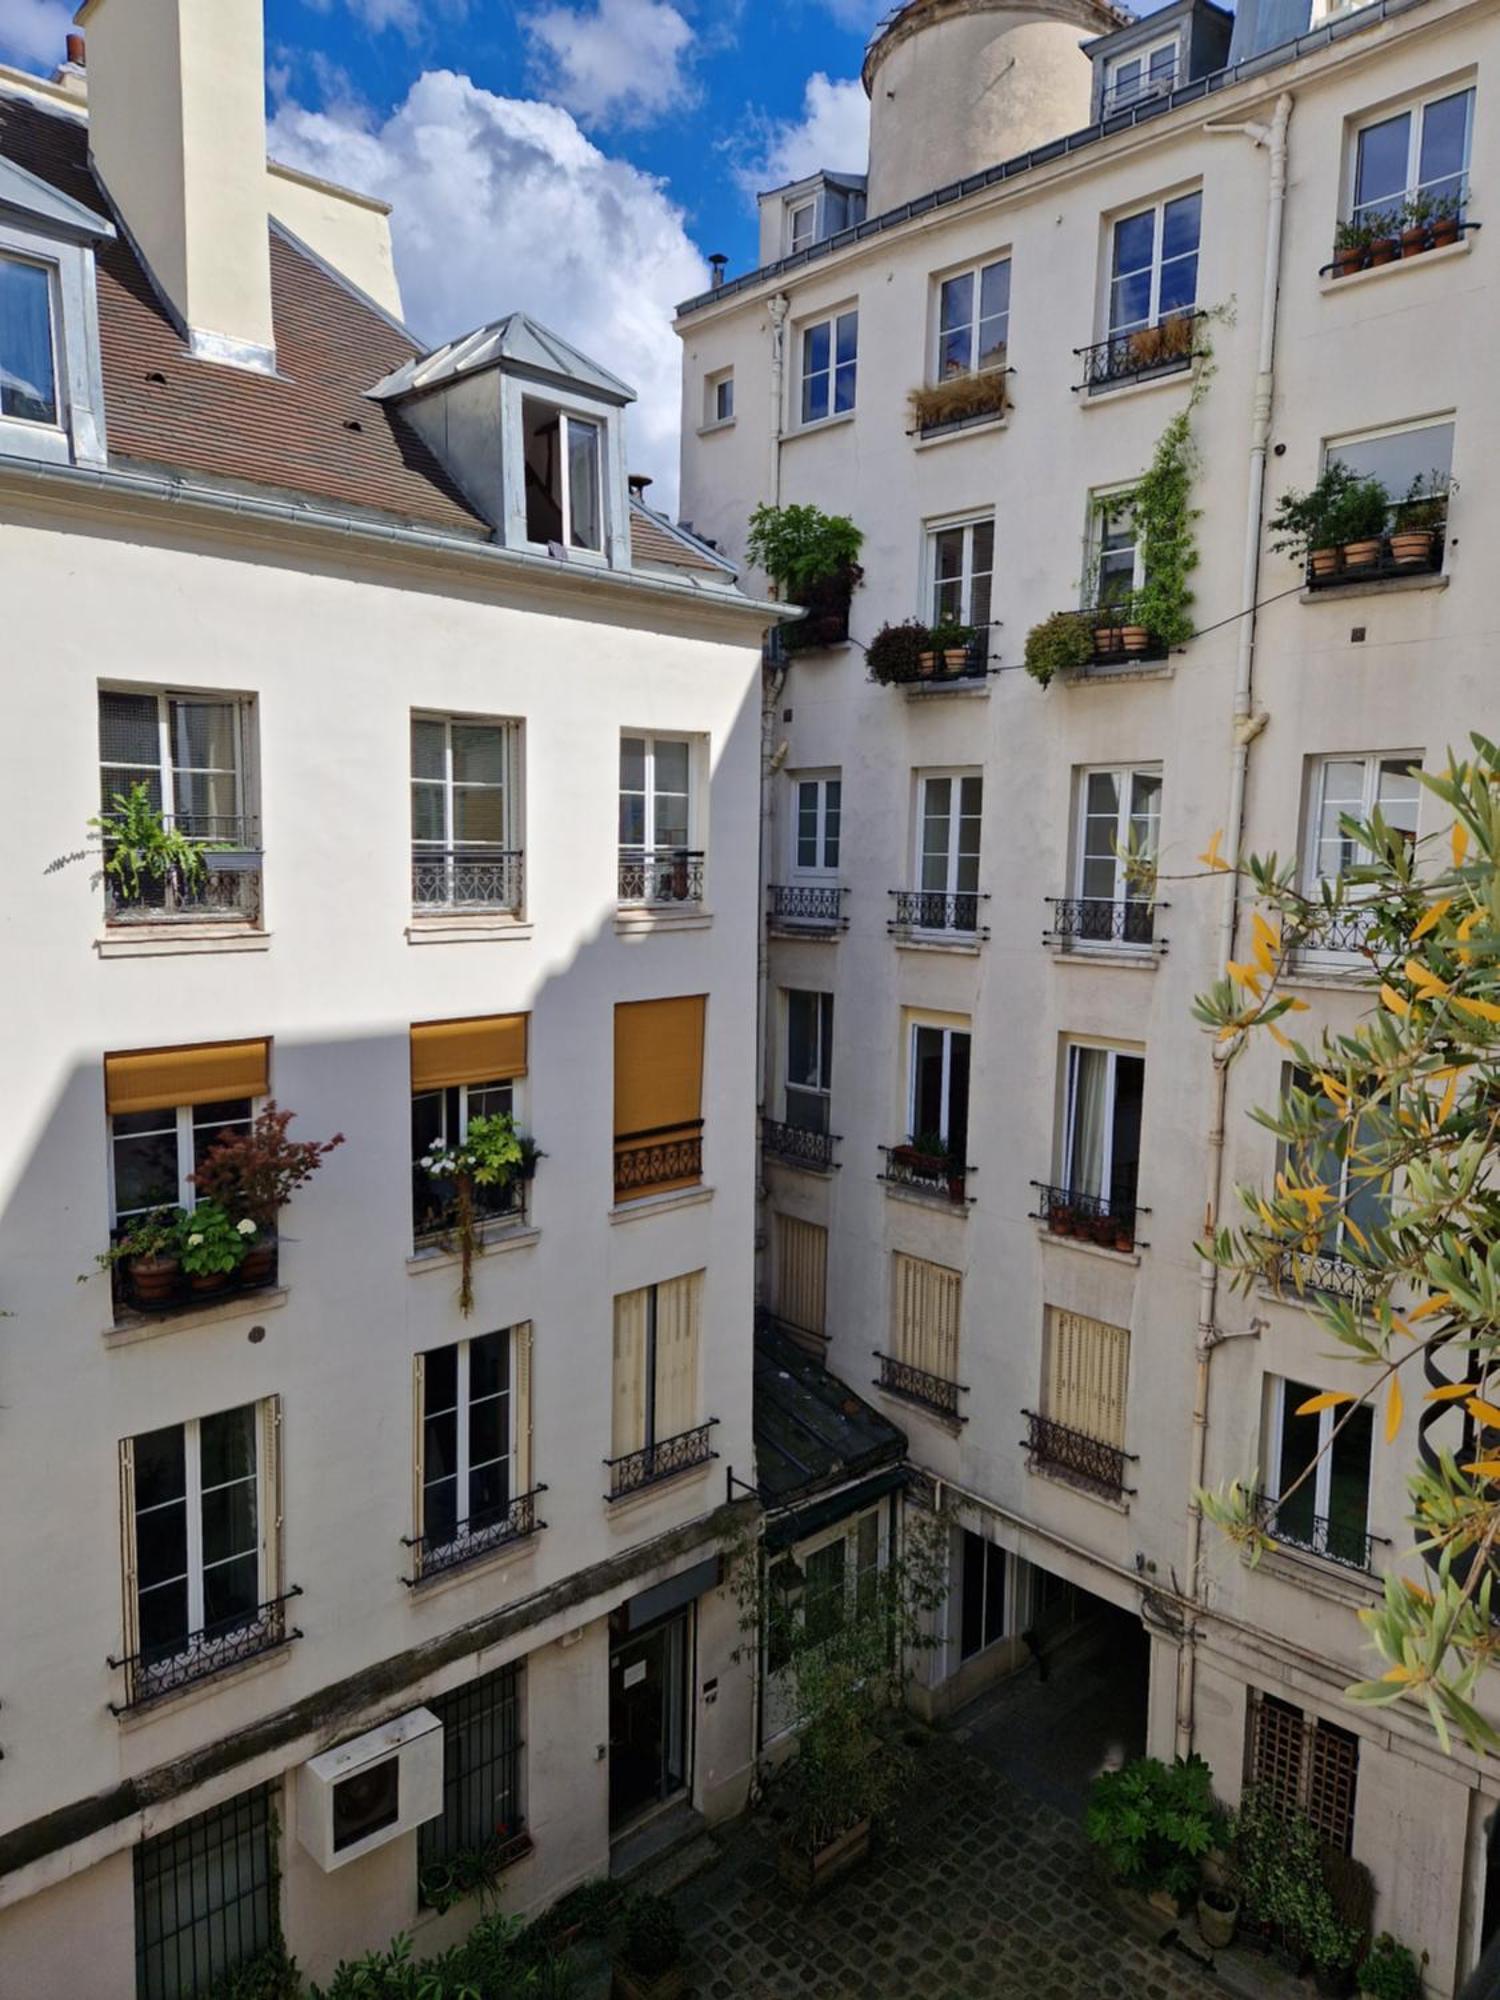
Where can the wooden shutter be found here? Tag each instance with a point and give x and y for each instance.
(520, 1389)
(927, 1307)
(161, 1079)
(1087, 1364)
(271, 1537)
(418, 1444)
(131, 1623)
(1333, 1769)
(629, 1426)
(486, 1049)
(801, 1273)
(658, 1065)
(1276, 1743)
(679, 1311)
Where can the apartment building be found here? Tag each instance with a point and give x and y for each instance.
(314, 1582)
(989, 1121)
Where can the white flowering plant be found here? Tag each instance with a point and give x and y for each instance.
(491, 1155)
(210, 1242)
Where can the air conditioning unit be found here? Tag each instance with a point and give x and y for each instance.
(372, 1789)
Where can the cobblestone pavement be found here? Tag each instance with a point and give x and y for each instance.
(988, 1894)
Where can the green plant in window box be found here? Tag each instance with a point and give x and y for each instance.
(149, 1249)
(894, 655)
(141, 850)
(492, 1155)
(211, 1245)
(1319, 526)
(951, 642)
(1061, 644)
(812, 559)
(1351, 246)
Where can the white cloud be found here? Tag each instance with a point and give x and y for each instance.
(833, 131)
(33, 32)
(503, 204)
(859, 16)
(619, 62)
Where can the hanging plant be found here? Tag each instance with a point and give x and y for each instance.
(492, 1156)
(1164, 522)
(811, 558)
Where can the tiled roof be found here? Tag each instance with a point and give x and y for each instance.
(653, 540)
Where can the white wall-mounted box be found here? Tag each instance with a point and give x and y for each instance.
(372, 1789)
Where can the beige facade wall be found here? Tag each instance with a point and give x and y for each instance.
(350, 231)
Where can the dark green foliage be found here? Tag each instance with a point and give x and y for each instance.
(1164, 525)
(653, 1941)
(894, 654)
(1153, 1822)
(270, 1975)
(1060, 644)
(797, 546)
(1279, 1865)
(1389, 1972)
(496, 1961)
(1341, 508)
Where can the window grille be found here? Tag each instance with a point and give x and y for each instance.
(205, 1898)
(1302, 1765)
(481, 1767)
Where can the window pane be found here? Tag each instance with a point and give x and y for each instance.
(479, 817)
(1444, 148)
(833, 793)
(807, 824)
(428, 748)
(160, 1467)
(28, 386)
(145, 1168)
(1342, 792)
(971, 1595)
(440, 1380)
(994, 294)
(489, 1365)
(1180, 224)
(1349, 1486)
(994, 1592)
(1397, 794)
(823, 1601)
(847, 337)
(937, 813)
(160, 1544)
(231, 1592)
(1135, 242)
(478, 754)
(802, 1019)
(163, 1612)
(632, 763)
(927, 1093)
(583, 486)
(427, 812)
(1101, 820)
(671, 766)
(956, 328)
(1179, 286)
(1397, 461)
(816, 348)
(1124, 1176)
(229, 1527)
(956, 1124)
(1130, 301)
(489, 1430)
(227, 1445)
(1380, 159)
(1299, 1447)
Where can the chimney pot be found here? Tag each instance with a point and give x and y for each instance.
(639, 481)
(716, 263)
(76, 50)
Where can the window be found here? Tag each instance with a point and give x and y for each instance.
(1423, 149)
(1414, 464)
(801, 222)
(28, 353)
(801, 1273)
(949, 813)
(460, 1071)
(981, 1618)
(1119, 815)
(926, 1308)
(167, 1108)
(464, 847)
(205, 1897)
(658, 1096)
(809, 1060)
(658, 863)
(1086, 1369)
(482, 1747)
(817, 805)
(1353, 787)
(830, 356)
(719, 398)
(1154, 263)
(963, 563)
(1102, 1135)
(1302, 1765)
(1363, 1204)
(1328, 1513)
(813, 1590)
(656, 1426)
(939, 1104)
(1147, 72)
(564, 476)
(1115, 553)
(474, 1445)
(973, 320)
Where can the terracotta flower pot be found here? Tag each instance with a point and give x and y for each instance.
(1345, 261)
(1383, 250)
(1106, 640)
(1362, 554)
(1414, 241)
(207, 1283)
(1411, 547)
(154, 1280)
(1445, 230)
(1135, 638)
(259, 1267)
(927, 665)
(955, 659)
(1326, 562)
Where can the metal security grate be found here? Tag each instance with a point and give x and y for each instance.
(1276, 1753)
(481, 1768)
(1333, 1770)
(205, 1898)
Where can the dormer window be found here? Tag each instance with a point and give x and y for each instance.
(563, 485)
(801, 222)
(51, 393)
(1147, 72)
(28, 355)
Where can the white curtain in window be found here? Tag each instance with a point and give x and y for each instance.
(629, 1429)
(1090, 1120)
(678, 1313)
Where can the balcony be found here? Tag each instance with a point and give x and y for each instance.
(157, 1287)
(1075, 1456)
(1127, 925)
(798, 1148)
(1141, 355)
(1117, 646)
(1106, 1221)
(907, 656)
(1341, 1542)
(661, 1460)
(435, 1203)
(1324, 1273)
(944, 1176)
(916, 1385)
(938, 917)
(661, 877)
(479, 879)
(157, 1671)
(808, 909)
(470, 1541)
(1401, 552)
(226, 890)
(659, 1161)
(1367, 250)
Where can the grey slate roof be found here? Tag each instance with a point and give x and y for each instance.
(811, 1431)
(517, 342)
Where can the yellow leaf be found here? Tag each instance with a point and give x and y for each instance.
(1283, 1041)
(1245, 975)
(1451, 1393)
(1433, 1305)
(1483, 1468)
(1393, 1410)
(1433, 917)
(1352, 1228)
(1487, 1414)
(1228, 1033)
(1329, 1400)
(1483, 1010)
(1267, 943)
(1394, 1001)
(1402, 1674)
(1425, 980)
(1211, 857)
(1333, 1090)
(1298, 1006)
(1460, 843)
(1470, 924)
(1449, 1096)
(1415, 1590)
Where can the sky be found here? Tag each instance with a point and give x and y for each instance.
(575, 159)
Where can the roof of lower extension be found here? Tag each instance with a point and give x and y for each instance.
(655, 539)
(517, 342)
(811, 1430)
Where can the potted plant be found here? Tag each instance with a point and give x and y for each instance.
(491, 1156)
(1061, 1219)
(211, 1246)
(254, 1174)
(1152, 1824)
(1061, 644)
(926, 1156)
(1351, 246)
(1360, 523)
(1144, 347)
(141, 852)
(1177, 331)
(951, 642)
(812, 559)
(148, 1250)
(1447, 220)
(1388, 1971)
(1331, 1944)
(1416, 223)
(648, 1963)
(1315, 525)
(1385, 237)
(895, 653)
(1135, 636)
(1218, 1914)
(960, 398)
(1419, 517)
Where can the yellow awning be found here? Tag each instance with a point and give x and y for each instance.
(160, 1079)
(658, 1065)
(482, 1050)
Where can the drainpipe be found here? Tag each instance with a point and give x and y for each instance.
(777, 310)
(1246, 726)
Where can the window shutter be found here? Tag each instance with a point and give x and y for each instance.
(658, 1066)
(1087, 1366)
(1276, 1753)
(928, 1305)
(521, 1391)
(161, 1079)
(801, 1273)
(482, 1050)
(1333, 1769)
(418, 1436)
(678, 1314)
(273, 1499)
(629, 1426)
(132, 1619)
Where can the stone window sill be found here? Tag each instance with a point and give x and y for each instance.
(959, 432)
(1107, 954)
(1055, 1475)
(937, 1204)
(177, 940)
(505, 1557)
(1444, 255)
(211, 1684)
(459, 929)
(660, 1204)
(646, 922)
(937, 688)
(1313, 1573)
(945, 947)
(1116, 676)
(1375, 586)
(1125, 1257)
(820, 424)
(718, 424)
(1123, 392)
(495, 1236)
(135, 1327)
(629, 1504)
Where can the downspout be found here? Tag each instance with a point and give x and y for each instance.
(1246, 725)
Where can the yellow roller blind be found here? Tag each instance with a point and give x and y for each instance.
(801, 1272)
(925, 1318)
(658, 1065)
(483, 1050)
(1088, 1361)
(160, 1079)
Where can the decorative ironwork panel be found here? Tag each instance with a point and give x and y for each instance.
(1276, 1746)
(813, 903)
(1089, 1461)
(1317, 1535)
(1112, 647)
(227, 889)
(801, 1148)
(943, 1174)
(931, 910)
(654, 1163)
(916, 1385)
(1092, 1218)
(1329, 1274)
(1091, 920)
(1147, 351)
(661, 875)
(1345, 933)
(480, 1535)
(659, 1460)
(151, 1674)
(466, 878)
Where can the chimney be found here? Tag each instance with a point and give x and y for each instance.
(716, 264)
(177, 131)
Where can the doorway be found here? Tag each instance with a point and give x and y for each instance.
(648, 1715)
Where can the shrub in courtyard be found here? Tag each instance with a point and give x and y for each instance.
(1388, 1971)
(1153, 1823)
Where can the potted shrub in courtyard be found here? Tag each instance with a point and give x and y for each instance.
(896, 652)
(812, 558)
(211, 1246)
(148, 1250)
(254, 1174)
(1153, 1823)
(1218, 1913)
(1060, 644)
(1388, 1971)
(648, 1962)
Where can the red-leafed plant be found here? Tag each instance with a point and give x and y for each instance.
(255, 1173)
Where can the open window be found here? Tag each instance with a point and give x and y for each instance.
(564, 476)
(1318, 1475)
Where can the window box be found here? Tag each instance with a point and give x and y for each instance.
(943, 1174)
(958, 401)
(1164, 348)
(1088, 1217)
(826, 603)
(1083, 1461)
(155, 1287)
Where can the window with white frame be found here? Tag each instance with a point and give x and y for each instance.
(961, 558)
(973, 320)
(1119, 824)
(467, 1431)
(1115, 571)
(30, 392)
(938, 1089)
(801, 225)
(950, 810)
(51, 388)
(564, 470)
(1101, 1152)
(1422, 149)
(1353, 788)
(1145, 72)
(656, 1365)
(1361, 1201)
(1153, 270)
(154, 1153)
(465, 847)
(830, 364)
(809, 1060)
(205, 1897)
(1319, 1474)
(981, 1595)
(1413, 462)
(718, 398)
(440, 1119)
(658, 813)
(817, 818)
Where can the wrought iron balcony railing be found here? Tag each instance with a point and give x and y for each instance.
(1106, 1220)
(661, 875)
(937, 914)
(467, 878)
(1341, 933)
(1403, 550)
(1142, 353)
(483, 1533)
(798, 1147)
(1323, 1272)
(161, 1670)
(944, 1175)
(1316, 1535)
(653, 1462)
(226, 890)
(974, 666)
(1093, 920)
(918, 1385)
(1398, 245)
(435, 1202)
(1117, 643)
(817, 907)
(654, 1162)
(155, 1287)
(1087, 1461)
